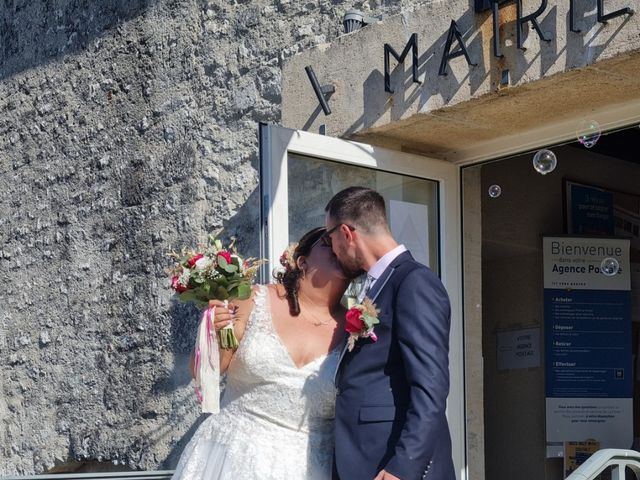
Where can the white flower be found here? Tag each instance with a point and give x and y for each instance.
(203, 263)
(184, 277)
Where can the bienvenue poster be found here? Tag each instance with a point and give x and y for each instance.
(588, 360)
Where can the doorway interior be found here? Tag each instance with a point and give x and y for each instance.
(508, 206)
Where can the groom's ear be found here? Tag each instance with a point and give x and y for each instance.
(350, 233)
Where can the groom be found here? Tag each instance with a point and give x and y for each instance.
(391, 393)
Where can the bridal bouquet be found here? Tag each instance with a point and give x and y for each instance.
(215, 272)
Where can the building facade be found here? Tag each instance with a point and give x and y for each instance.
(132, 128)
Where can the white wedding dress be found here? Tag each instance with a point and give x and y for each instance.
(276, 420)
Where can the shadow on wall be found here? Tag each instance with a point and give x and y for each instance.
(33, 33)
(429, 58)
(245, 226)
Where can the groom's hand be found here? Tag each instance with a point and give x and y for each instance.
(383, 475)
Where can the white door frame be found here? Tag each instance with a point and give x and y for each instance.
(275, 145)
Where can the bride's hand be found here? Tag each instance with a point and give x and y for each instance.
(223, 316)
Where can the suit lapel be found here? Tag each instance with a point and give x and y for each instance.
(342, 354)
(372, 295)
(380, 283)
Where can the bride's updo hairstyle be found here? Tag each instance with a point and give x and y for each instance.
(290, 274)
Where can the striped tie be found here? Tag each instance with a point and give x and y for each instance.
(365, 288)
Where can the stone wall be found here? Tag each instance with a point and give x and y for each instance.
(127, 128)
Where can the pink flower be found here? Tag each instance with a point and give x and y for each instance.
(354, 323)
(226, 255)
(177, 286)
(192, 261)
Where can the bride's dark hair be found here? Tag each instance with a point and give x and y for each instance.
(290, 276)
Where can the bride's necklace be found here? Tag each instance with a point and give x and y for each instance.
(317, 322)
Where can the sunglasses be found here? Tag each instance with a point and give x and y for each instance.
(325, 239)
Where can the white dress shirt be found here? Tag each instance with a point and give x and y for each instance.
(381, 265)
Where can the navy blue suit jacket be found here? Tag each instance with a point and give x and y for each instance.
(391, 400)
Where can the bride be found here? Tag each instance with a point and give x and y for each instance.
(277, 410)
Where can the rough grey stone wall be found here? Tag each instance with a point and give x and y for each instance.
(127, 128)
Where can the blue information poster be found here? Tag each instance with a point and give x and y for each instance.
(588, 357)
(591, 210)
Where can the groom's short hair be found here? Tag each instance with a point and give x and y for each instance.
(361, 206)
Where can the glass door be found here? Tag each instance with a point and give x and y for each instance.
(301, 171)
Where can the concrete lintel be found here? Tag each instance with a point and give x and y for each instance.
(460, 115)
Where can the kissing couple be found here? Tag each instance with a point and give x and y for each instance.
(315, 392)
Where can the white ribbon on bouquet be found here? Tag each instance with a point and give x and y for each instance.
(207, 364)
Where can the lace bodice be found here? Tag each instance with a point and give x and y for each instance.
(264, 381)
(276, 420)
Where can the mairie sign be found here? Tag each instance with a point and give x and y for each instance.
(455, 34)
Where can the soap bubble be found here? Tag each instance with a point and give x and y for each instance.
(495, 191)
(545, 161)
(588, 133)
(609, 266)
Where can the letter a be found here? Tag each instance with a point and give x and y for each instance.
(448, 55)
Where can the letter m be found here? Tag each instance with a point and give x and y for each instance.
(412, 45)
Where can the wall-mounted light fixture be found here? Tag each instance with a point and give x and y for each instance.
(354, 20)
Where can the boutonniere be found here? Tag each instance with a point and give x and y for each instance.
(360, 321)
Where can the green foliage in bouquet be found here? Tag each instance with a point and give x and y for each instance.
(213, 272)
